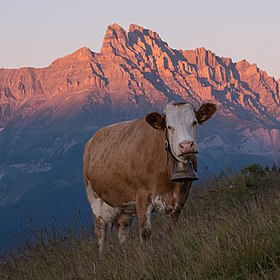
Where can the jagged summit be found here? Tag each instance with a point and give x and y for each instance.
(115, 26)
(115, 35)
(147, 32)
(117, 39)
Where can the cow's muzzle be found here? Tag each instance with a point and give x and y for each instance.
(184, 172)
(187, 147)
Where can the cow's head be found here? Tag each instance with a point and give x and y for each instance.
(180, 120)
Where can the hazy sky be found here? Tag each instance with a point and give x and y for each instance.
(35, 32)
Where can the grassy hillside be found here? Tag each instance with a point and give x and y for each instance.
(230, 229)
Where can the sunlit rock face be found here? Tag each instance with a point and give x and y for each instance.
(135, 68)
(47, 114)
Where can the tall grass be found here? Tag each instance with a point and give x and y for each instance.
(230, 229)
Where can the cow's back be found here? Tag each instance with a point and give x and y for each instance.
(121, 159)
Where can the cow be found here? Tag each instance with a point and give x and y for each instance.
(128, 168)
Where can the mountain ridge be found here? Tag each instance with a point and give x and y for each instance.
(139, 56)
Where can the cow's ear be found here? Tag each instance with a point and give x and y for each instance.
(205, 112)
(156, 120)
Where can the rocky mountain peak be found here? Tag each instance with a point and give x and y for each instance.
(117, 41)
(134, 28)
(114, 40)
(201, 57)
(81, 55)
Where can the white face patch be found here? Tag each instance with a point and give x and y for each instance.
(181, 125)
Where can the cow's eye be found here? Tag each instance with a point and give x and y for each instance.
(194, 123)
(170, 127)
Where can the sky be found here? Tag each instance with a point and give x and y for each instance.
(36, 32)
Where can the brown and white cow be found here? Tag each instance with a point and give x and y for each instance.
(127, 168)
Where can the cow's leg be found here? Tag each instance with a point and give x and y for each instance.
(179, 203)
(124, 223)
(100, 232)
(175, 214)
(174, 218)
(97, 207)
(144, 212)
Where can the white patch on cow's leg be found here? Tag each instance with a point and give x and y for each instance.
(144, 209)
(101, 241)
(103, 214)
(146, 229)
(149, 215)
(100, 232)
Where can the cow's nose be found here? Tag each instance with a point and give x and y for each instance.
(187, 147)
